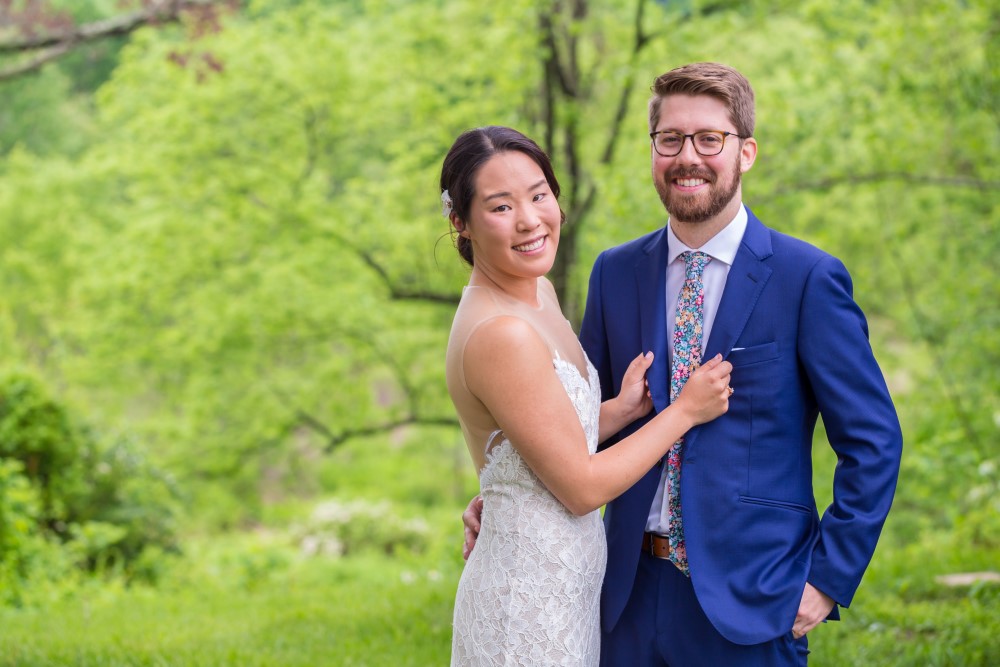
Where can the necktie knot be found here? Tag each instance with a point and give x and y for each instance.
(695, 263)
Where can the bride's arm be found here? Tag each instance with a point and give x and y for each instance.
(509, 368)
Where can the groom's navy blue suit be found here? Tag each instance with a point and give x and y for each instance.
(799, 347)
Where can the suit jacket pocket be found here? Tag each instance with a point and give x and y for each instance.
(744, 356)
(781, 504)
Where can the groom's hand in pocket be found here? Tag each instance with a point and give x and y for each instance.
(813, 609)
(470, 517)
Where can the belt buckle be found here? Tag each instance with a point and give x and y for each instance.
(653, 537)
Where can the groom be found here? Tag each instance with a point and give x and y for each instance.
(721, 557)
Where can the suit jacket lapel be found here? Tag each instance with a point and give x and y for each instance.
(746, 281)
(651, 284)
(747, 277)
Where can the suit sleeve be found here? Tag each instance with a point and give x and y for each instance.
(861, 425)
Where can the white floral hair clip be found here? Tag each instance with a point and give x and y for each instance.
(445, 204)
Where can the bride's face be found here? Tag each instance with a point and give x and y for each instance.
(514, 218)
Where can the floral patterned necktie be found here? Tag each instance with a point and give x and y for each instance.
(688, 325)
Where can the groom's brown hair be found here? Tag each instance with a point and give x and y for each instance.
(714, 79)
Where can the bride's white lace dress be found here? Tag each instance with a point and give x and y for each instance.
(531, 589)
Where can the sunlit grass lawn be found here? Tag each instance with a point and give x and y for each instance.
(903, 617)
(371, 610)
(252, 601)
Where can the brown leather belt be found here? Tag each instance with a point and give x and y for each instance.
(655, 545)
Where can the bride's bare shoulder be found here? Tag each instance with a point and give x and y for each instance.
(505, 334)
(504, 344)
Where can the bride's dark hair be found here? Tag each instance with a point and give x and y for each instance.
(471, 150)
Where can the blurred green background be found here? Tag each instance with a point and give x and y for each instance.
(226, 289)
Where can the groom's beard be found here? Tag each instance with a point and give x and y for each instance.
(703, 206)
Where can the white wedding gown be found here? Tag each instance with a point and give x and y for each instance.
(531, 589)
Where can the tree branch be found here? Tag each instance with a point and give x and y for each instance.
(56, 44)
(413, 420)
(40, 59)
(582, 190)
(395, 293)
(165, 11)
(564, 77)
(641, 40)
(412, 394)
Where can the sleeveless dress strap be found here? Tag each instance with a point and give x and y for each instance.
(489, 440)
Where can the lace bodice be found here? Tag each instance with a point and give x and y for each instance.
(531, 589)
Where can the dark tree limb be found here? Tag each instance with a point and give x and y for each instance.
(561, 78)
(52, 44)
(396, 293)
(164, 11)
(641, 40)
(412, 417)
(36, 62)
(365, 431)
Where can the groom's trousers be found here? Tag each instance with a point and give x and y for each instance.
(664, 626)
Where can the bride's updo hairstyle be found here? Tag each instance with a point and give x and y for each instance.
(468, 154)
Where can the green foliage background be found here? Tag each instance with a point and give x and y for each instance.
(222, 254)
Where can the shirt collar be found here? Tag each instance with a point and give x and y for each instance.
(721, 248)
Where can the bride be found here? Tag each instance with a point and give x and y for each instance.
(529, 403)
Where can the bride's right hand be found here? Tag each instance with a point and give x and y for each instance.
(471, 518)
(705, 395)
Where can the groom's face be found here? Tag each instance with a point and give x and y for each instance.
(697, 188)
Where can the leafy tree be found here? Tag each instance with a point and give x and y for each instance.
(244, 264)
(47, 30)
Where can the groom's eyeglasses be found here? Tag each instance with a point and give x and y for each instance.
(706, 143)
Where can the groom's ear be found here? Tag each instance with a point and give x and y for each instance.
(748, 154)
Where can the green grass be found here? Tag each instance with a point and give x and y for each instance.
(366, 610)
(909, 619)
(252, 600)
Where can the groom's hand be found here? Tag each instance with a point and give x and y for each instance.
(813, 609)
(470, 517)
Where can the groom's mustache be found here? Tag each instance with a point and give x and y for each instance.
(688, 172)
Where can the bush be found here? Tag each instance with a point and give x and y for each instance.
(128, 494)
(32, 563)
(35, 431)
(19, 510)
(340, 528)
(101, 506)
